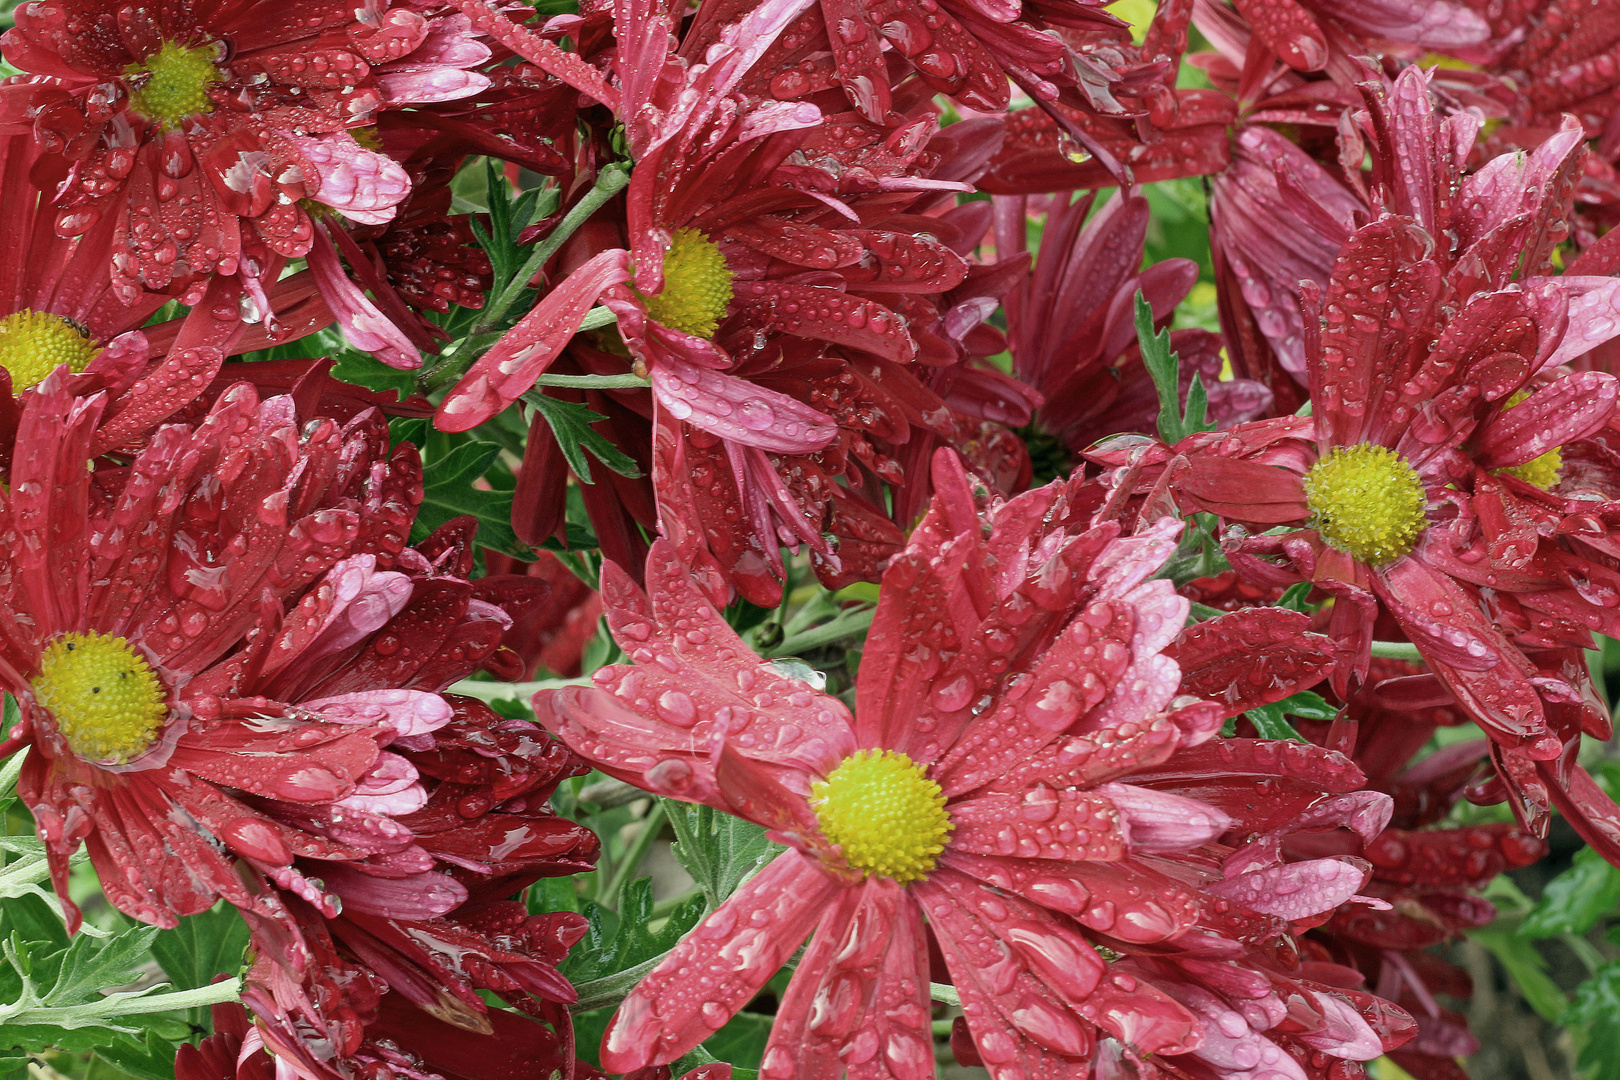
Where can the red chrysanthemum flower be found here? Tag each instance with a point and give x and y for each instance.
(1326, 35)
(1072, 328)
(200, 641)
(390, 985)
(790, 296)
(1419, 483)
(57, 307)
(1014, 679)
(210, 132)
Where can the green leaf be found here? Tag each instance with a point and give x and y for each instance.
(363, 369)
(150, 1059)
(716, 848)
(742, 1040)
(448, 492)
(1270, 722)
(53, 996)
(571, 423)
(1573, 901)
(202, 946)
(1595, 1018)
(1165, 368)
(1527, 968)
(620, 948)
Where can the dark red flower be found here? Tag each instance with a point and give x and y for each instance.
(210, 132)
(1072, 328)
(791, 295)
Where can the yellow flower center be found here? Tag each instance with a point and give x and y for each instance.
(35, 343)
(106, 700)
(172, 85)
(1541, 472)
(1368, 501)
(885, 814)
(697, 285)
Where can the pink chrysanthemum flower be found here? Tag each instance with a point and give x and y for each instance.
(174, 631)
(1015, 678)
(210, 132)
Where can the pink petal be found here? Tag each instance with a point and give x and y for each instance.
(719, 966)
(502, 375)
(1157, 821)
(1296, 890)
(408, 712)
(739, 410)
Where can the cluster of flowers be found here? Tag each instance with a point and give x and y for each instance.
(1047, 805)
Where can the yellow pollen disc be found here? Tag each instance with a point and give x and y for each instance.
(35, 343)
(106, 700)
(1541, 472)
(172, 85)
(885, 814)
(697, 285)
(1368, 501)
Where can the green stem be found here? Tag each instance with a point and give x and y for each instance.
(512, 691)
(595, 382)
(609, 182)
(650, 827)
(1397, 650)
(846, 625)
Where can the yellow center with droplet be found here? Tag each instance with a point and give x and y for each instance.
(172, 84)
(1541, 472)
(1368, 501)
(105, 698)
(35, 343)
(697, 285)
(885, 814)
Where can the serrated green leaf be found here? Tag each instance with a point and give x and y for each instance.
(571, 423)
(1270, 720)
(1526, 967)
(53, 997)
(716, 848)
(1165, 369)
(448, 492)
(150, 1059)
(1573, 901)
(363, 369)
(202, 946)
(620, 948)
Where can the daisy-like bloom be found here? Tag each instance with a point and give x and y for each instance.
(58, 307)
(786, 297)
(1418, 484)
(1014, 685)
(175, 632)
(1072, 322)
(212, 133)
